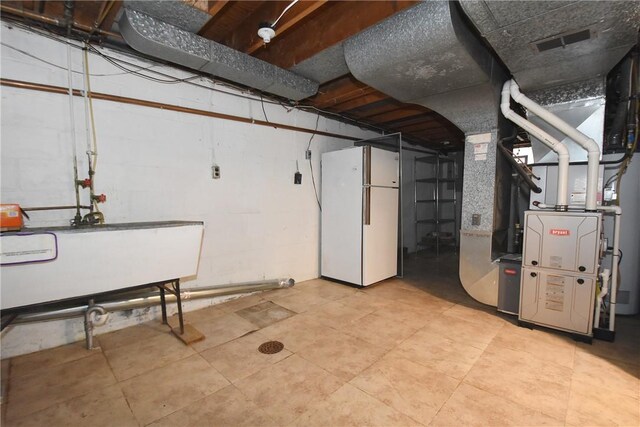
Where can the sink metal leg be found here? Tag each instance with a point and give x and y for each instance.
(163, 304)
(176, 288)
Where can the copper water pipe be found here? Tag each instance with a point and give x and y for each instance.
(54, 21)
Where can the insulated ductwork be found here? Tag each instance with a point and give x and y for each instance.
(551, 43)
(171, 42)
(324, 66)
(427, 55)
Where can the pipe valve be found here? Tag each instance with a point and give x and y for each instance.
(84, 183)
(99, 198)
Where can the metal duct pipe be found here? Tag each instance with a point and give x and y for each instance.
(593, 151)
(153, 298)
(548, 140)
(160, 39)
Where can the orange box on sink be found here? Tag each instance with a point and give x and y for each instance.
(10, 217)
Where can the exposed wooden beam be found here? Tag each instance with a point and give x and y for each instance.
(343, 97)
(331, 24)
(110, 17)
(401, 114)
(360, 101)
(420, 126)
(203, 5)
(216, 6)
(227, 18)
(245, 37)
(337, 88)
(365, 112)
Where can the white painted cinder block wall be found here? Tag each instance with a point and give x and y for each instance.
(155, 165)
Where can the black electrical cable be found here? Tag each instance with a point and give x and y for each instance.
(313, 180)
(611, 179)
(265, 113)
(65, 68)
(303, 107)
(139, 74)
(188, 80)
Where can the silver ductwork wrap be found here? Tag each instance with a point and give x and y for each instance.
(551, 43)
(160, 39)
(582, 105)
(427, 55)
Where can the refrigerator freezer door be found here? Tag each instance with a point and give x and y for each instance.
(380, 237)
(341, 235)
(384, 168)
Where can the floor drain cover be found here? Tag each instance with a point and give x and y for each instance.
(271, 347)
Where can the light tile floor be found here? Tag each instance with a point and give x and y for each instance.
(411, 351)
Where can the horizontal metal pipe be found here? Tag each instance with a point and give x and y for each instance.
(153, 298)
(54, 21)
(168, 107)
(54, 208)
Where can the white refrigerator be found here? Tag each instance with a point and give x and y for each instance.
(359, 237)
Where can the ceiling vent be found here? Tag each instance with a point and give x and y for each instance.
(564, 40)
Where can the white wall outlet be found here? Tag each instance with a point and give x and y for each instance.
(215, 172)
(307, 155)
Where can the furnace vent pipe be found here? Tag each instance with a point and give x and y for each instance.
(593, 151)
(548, 140)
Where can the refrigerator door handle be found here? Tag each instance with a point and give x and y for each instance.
(366, 208)
(366, 169)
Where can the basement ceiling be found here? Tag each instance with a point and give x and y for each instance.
(307, 29)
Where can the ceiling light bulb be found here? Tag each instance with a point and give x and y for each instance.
(266, 34)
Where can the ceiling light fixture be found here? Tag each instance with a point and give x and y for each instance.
(266, 32)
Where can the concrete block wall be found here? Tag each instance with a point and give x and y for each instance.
(155, 165)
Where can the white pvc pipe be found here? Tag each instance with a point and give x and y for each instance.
(593, 151)
(615, 257)
(603, 292)
(548, 140)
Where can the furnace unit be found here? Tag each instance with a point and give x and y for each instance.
(561, 256)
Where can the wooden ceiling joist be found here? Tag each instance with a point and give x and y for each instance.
(227, 18)
(399, 114)
(216, 6)
(331, 25)
(371, 110)
(366, 99)
(245, 38)
(420, 126)
(305, 30)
